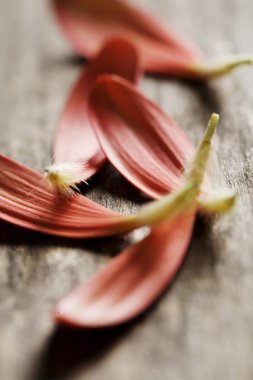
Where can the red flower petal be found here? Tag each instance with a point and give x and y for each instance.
(132, 281)
(27, 202)
(88, 23)
(75, 140)
(144, 144)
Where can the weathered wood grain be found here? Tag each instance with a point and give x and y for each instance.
(202, 328)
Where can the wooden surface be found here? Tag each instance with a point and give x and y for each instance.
(202, 328)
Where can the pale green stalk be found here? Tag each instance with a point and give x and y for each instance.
(217, 205)
(217, 68)
(168, 206)
(199, 165)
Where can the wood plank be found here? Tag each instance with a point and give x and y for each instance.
(202, 326)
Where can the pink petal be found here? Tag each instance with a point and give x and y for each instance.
(75, 140)
(132, 281)
(26, 201)
(143, 144)
(88, 23)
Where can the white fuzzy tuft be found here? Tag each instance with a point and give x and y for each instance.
(65, 177)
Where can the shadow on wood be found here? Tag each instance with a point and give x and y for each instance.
(10, 234)
(114, 183)
(69, 349)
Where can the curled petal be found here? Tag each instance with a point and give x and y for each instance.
(75, 141)
(143, 143)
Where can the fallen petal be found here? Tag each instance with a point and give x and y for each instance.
(88, 23)
(75, 141)
(26, 201)
(144, 144)
(132, 281)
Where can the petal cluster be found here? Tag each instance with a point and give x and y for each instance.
(106, 117)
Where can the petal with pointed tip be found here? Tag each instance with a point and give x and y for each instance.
(88, 23)
(132, 281)
(143, 144)
(75, 140)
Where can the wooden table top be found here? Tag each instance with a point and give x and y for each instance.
(202, 327)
